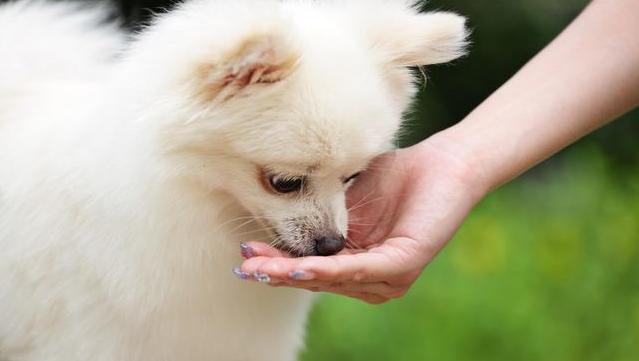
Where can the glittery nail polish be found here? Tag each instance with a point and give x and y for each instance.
(246, 251)
(261, 277)
(241, 275)
(301, 276)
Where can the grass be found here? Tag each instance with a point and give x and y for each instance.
(546, 268)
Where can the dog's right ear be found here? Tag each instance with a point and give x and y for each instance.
(410, 39)
(259, 59)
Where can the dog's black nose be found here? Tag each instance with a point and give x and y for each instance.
(328, 246)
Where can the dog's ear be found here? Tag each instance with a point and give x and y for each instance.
(259, 59)
(419, 39)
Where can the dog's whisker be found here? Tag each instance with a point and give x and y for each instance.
(374, 218)
(242, 225)
(360, 224)
(380, 167)
(252, 217)
(353, 208)
(247, 217)
(364, 197)
(353, 244)
(276, 242)
(235, 220)
(255, 231)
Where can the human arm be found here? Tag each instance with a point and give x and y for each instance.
(583, 79)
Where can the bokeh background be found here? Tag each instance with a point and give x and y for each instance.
(545, 268)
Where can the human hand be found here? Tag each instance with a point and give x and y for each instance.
(402, 211)
(410, 203)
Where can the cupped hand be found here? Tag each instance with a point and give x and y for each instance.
(402, 211)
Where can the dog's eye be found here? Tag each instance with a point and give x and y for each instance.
(349, 179)
(286, 184)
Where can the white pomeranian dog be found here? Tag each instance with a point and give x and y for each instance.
(131, 170)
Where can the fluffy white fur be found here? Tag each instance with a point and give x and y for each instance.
(125, 168)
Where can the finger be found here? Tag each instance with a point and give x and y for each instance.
(254, 249)
(380, 289)
(366, 297)
(395, 261)
(275, 263)
(278, 268)
(376, 288)
(289, 268)
(373, 299)
(248, 270)
(394, 258)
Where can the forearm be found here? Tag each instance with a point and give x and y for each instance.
(586, 77)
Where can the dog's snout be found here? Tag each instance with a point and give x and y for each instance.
(329, 245)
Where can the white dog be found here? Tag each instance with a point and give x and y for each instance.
(129, 170)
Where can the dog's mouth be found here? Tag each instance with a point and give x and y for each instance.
(278, 240)
(292, 251)
(323, 246)
(299, 240)
(281, 244)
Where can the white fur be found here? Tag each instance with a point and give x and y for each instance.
(121, 185)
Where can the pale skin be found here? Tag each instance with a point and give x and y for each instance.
(409, 204)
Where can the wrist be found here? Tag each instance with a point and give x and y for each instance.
(459, 161)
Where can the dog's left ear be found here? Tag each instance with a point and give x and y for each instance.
(419, 39)
(259, 59)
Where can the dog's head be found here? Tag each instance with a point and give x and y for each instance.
(285, 103)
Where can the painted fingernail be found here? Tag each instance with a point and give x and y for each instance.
(261, 277)
(241, 275)
(246, 251)
(301, 275)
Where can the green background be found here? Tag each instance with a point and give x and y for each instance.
(546, 268)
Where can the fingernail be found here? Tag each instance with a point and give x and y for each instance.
(246, 251)
(241, 275)
(301, 275)
(261, 277)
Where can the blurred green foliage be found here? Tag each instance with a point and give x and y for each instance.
(546, 268)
